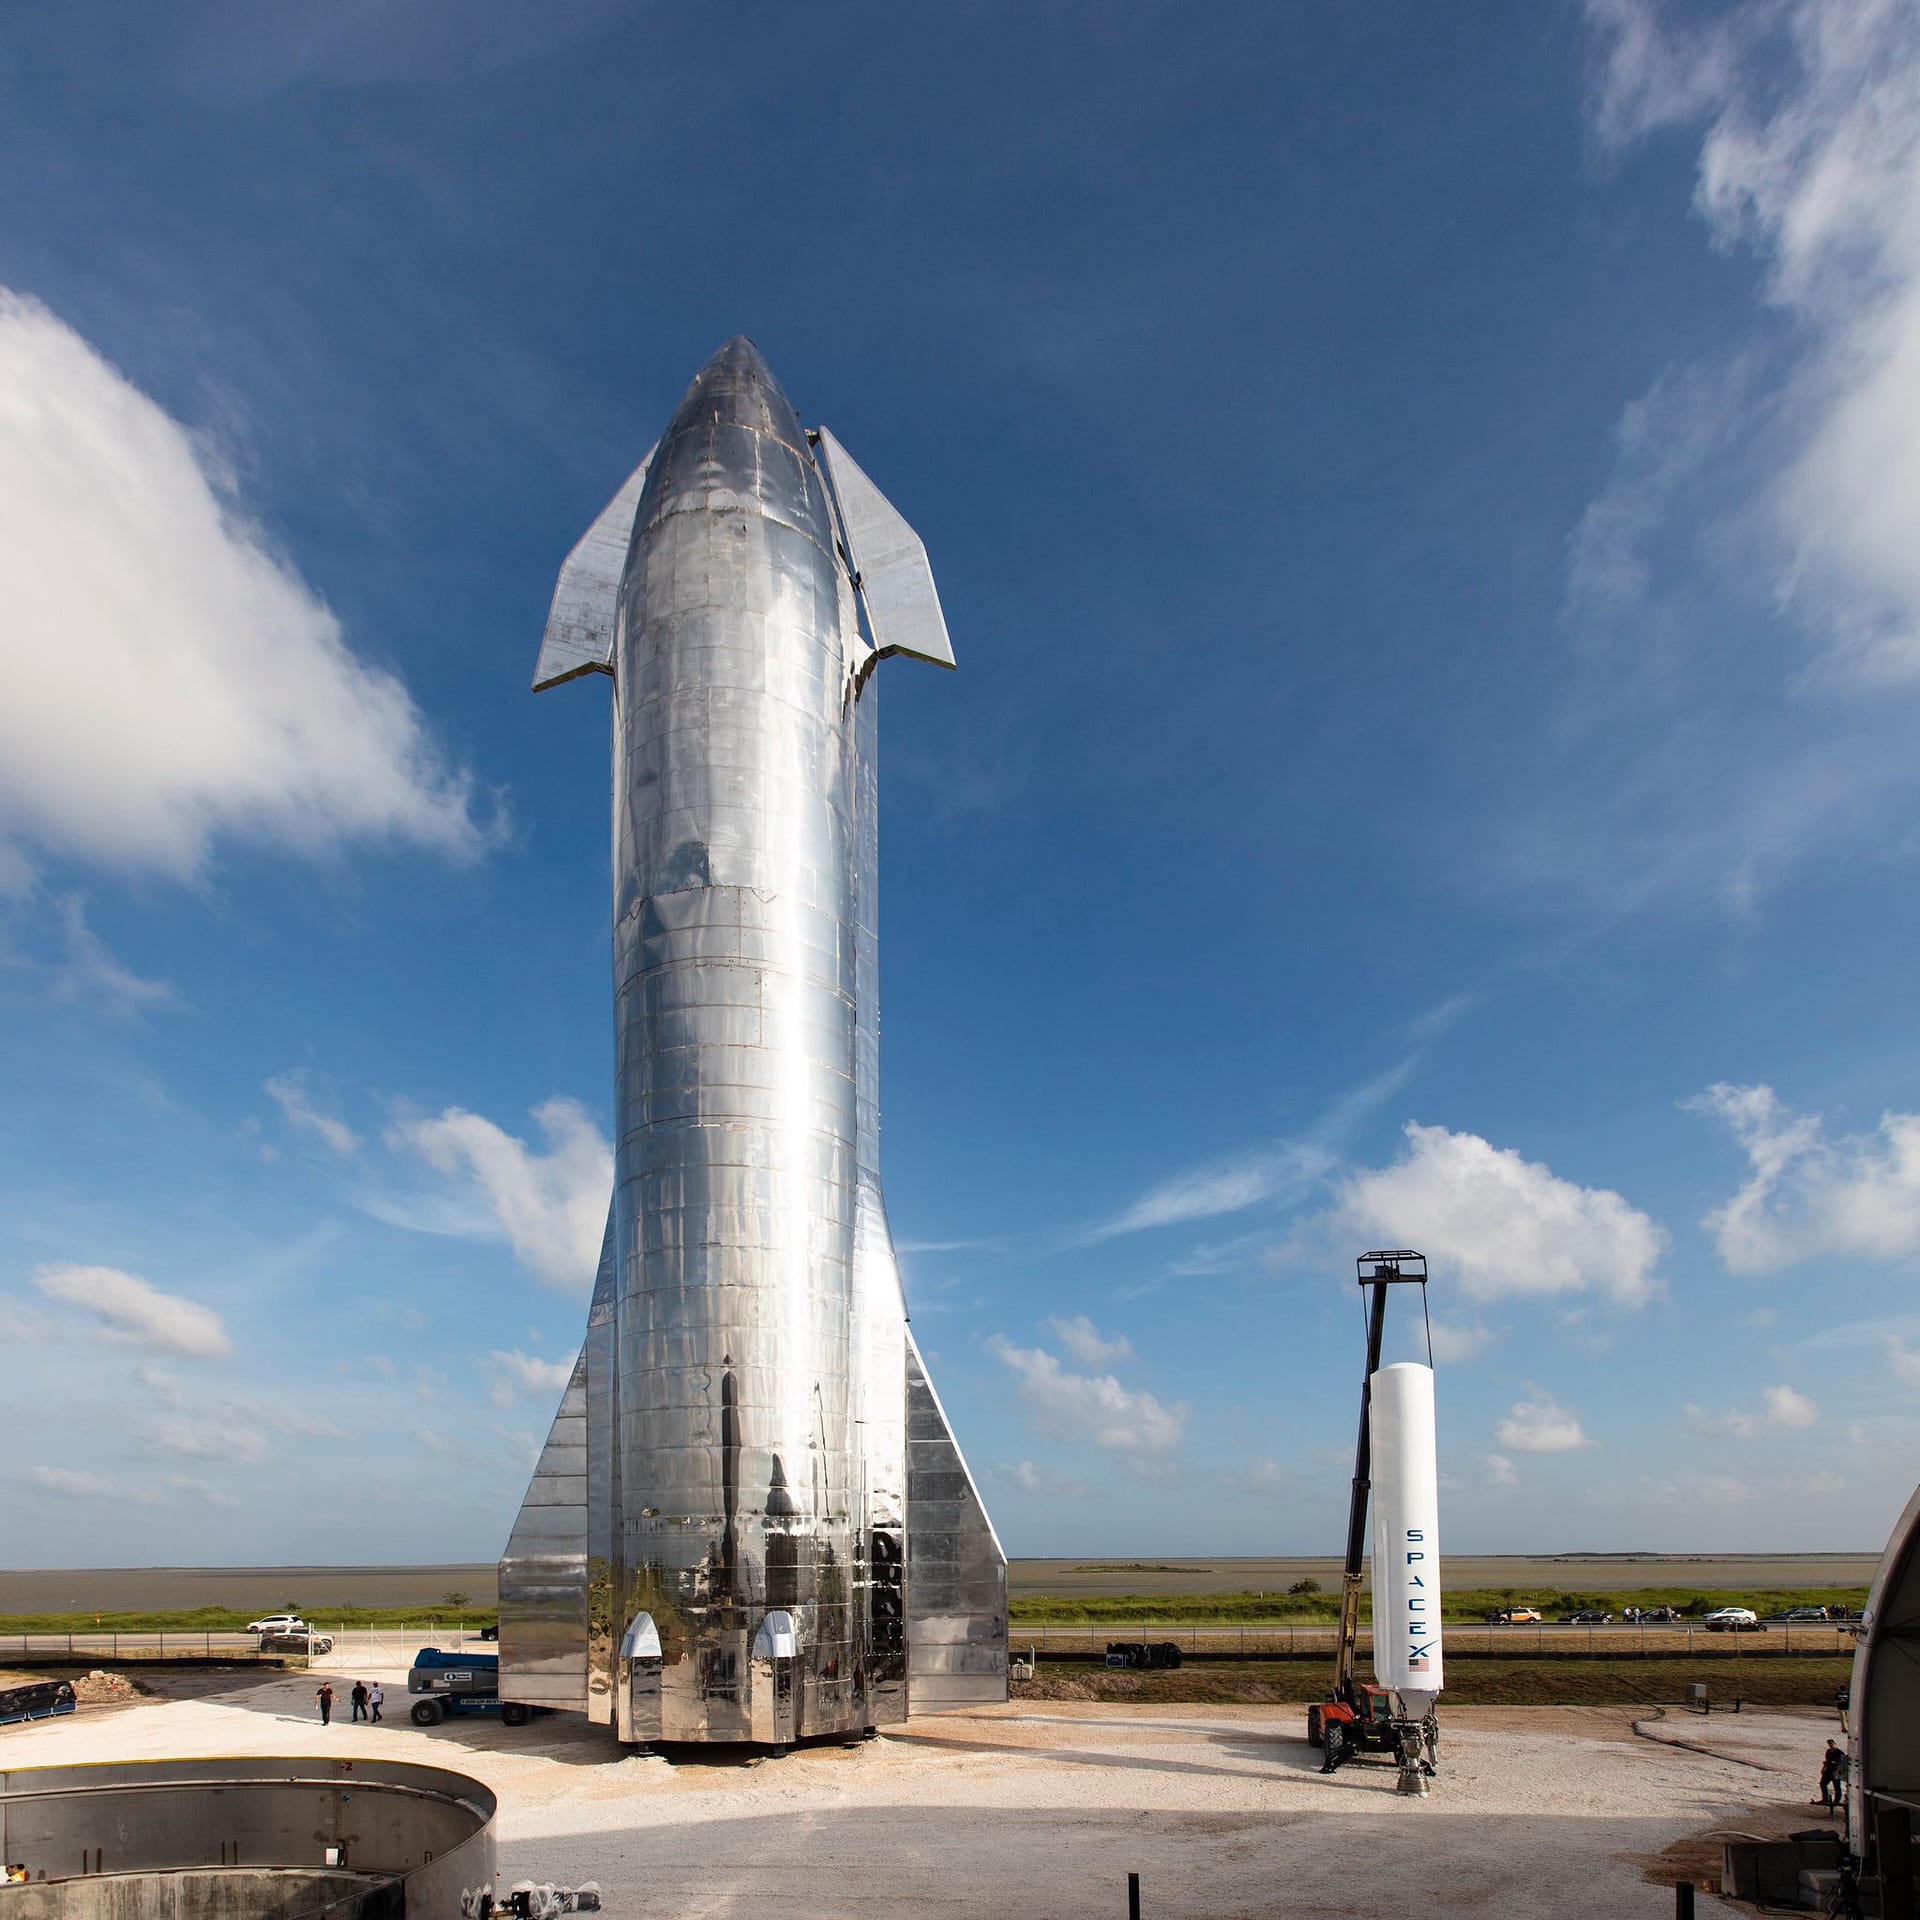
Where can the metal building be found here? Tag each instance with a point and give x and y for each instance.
(750, 1521)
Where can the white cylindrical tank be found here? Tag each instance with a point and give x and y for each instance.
(1406, 1530)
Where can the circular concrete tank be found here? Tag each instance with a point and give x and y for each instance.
(244, 1839)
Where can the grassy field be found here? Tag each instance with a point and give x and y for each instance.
(231, 1620)
(1144, 1591)
(1510, 1683)
(1460, 1604)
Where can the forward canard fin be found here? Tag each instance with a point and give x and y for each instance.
(889, 562)
(586, 597)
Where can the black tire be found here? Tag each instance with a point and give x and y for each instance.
(1334, 1740)
(427, 1713)
(1314, 1735)
(516, 1713)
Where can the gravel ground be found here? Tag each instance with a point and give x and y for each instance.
(1540, 1814)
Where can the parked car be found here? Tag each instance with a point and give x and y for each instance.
(491, 1632)
(1807, 1613)
(1650, 1616)
(1589, 1617)
(1733, 1620)
(304, 1640)
(1515, 1617)
(278, 1623)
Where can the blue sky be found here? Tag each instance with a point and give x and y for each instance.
(1428, 512)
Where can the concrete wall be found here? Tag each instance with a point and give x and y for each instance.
(201, 1893)
(424, 1827)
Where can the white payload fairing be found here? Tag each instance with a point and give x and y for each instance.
(1406, 1535)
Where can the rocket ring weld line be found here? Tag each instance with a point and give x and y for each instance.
(750, 1521)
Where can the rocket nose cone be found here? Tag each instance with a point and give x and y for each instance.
(737, 387)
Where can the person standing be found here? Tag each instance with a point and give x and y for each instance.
(376, 1695)
(359, 1698)
(1833, 1778)
(324, 1694)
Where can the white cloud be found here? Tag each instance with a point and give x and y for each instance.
(1268, 1476)
(23, 1327)
(1858, 1195)
(1903, 1360)
(521, 1375)
(169, 680)
(1501, 1472)
(1811, 159)
(1501, 1224)
(133, 1313)
(1093, 1409)
(288, 1091)
(1454, 1343)
(70, 1483)
(1691, 1490)
(1540, 1426)
(202, 1490)
(552, 1207)
(1782, 1410)
(1029, 1478)
(1087, 1343)
(232, 1427)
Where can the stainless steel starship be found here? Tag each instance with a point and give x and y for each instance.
(750, 1521)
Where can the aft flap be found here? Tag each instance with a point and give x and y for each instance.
(586, 597)
(889, 564)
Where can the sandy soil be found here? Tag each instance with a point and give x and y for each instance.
(1041, 1810)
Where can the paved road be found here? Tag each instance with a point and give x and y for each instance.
(390, 1644)
(1621, 1638)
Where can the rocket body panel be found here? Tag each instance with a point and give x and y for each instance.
(1406, 1531)
(956, 1569)
(745, 1500)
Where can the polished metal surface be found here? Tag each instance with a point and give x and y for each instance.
(721, 1538)
(579, 636)
(890, 566)
(1885, 1687)
(388, 1821)
(956, 1571)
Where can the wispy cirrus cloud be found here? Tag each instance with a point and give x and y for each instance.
(291, 1093)
(1204, 1193)
(72, 1483)
(1746, 586)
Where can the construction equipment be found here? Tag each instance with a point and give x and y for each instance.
(1358, 1717)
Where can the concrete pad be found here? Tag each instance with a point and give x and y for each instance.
(1042, 1810)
